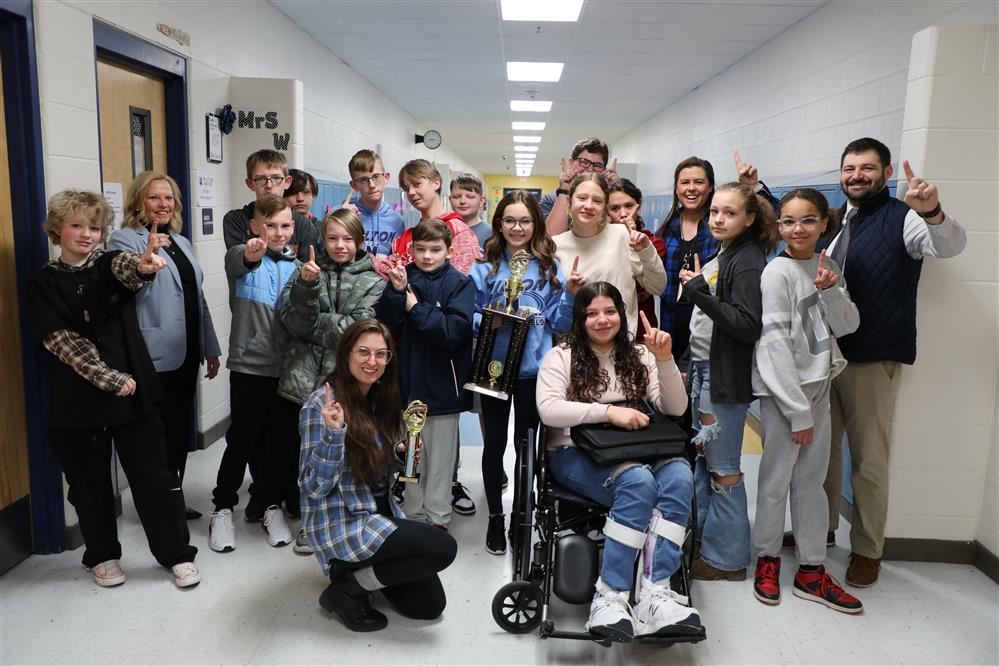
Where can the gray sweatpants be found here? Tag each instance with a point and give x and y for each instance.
(800, 468)
(432, 502)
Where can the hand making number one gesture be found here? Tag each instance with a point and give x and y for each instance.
(747, 172)
(921, 196)
(825, 277)
(658, 342)
(332, 412)
(348, 205)
(310, 269)
(686, 275)
(576, 279)
(151, 262)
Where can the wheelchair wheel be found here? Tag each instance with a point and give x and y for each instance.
(517, 607)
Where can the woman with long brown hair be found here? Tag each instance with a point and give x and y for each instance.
(547, 294)
(598, 364)
(352, 437)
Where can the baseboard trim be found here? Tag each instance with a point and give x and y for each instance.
(941, 550)
(15, 533)
(213, 433)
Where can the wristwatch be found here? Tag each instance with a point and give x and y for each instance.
(561, 190)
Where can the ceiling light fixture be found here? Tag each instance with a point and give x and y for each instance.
(532, 10)
(525, 149)
(530, 105)
(549, 72)
(526, 138)
(529, 126)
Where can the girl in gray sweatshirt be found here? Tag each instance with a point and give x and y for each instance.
(805, 308)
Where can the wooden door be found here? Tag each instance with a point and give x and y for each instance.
(133, 123)
(14, 479)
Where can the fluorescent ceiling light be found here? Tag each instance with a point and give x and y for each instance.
(523, 174)
(525, 162)
(525, 149)
(530, 105)
(526, 139)
(527, 125)
(548, 10)
(534, 71)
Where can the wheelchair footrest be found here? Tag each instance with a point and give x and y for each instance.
(693, 635)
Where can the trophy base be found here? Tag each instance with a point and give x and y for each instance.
(410, 479)
(485, 390)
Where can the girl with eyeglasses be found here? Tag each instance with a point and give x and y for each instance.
(322, 298)
(353, 440)
(517, 225)
(805, 308)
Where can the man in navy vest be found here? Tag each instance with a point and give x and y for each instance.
(881, 249)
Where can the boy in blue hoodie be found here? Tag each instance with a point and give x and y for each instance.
(428, 306)
(382, 224)
(263, 426)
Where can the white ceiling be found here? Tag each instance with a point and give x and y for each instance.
(625, 60)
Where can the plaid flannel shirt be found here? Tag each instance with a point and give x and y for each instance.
(704, 245)
(339, 513)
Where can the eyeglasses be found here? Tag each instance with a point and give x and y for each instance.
(374, 178)
(587, 164)
(510, 223)
(381, 355)
(267, 180)
(790, 222)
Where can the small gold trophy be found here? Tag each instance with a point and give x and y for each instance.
(495, 371)
(519, 262)
(415, 417)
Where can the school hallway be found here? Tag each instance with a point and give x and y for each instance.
(259, 605)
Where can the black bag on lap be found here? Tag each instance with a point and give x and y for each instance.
(609, 445)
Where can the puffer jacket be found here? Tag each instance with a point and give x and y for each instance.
(317, 313)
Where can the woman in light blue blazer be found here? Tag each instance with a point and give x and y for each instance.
(173, 314)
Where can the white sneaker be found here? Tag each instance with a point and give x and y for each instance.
(275, 526)
(186, 574)
(302, 544)
(662, 612)
(108, 573)
(222, 532)
(610, 615)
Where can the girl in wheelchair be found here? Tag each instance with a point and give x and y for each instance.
(596, 364)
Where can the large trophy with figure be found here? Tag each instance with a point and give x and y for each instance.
(415, 417)
(494, 372)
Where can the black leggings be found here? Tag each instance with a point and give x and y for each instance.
(407, 564)
(495, 416)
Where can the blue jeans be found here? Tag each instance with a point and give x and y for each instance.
(722, 514)
(631, 493)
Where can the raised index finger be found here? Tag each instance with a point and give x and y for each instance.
(329, 395)
(575, 264)
(312, 254)
(738, 160)
(350, 195)
(697, 263)
(613, 164)
(646, 325)
(822, 261)
(909, 175)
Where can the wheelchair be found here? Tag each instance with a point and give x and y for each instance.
(552, 553)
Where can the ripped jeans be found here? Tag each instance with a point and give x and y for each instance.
(631, 493)
(722, 513)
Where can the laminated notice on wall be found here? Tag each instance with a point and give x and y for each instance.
(113, 195)
(206, 188)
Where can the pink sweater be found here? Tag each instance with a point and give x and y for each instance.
(665, 393)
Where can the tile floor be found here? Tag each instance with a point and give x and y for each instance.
(258, 605)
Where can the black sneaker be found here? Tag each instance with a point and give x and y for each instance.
(460, 501)
(399, 491)
(254, 513)
(495, 538)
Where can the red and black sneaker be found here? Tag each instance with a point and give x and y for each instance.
(816, 585)
(766, 586)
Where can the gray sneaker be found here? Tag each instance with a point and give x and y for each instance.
(302, 544)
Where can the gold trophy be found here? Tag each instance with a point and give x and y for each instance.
(519, 262)
(492, 376)
(415, 417)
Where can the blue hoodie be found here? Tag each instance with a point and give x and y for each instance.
(552, 309)
(381, 227)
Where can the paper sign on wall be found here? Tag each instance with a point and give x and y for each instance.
(206, 188)
(113, 195)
